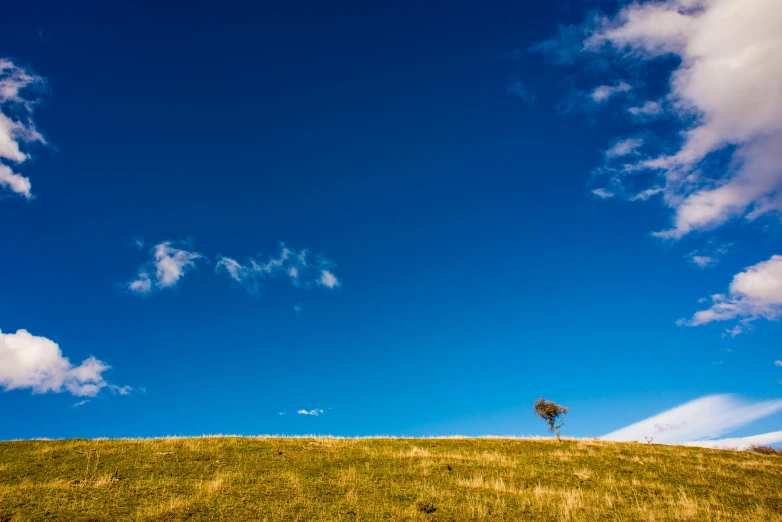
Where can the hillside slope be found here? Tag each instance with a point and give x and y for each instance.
(255, 479)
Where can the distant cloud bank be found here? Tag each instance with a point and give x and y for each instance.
(702, 422)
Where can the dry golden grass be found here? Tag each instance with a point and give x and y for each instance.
(264, 479)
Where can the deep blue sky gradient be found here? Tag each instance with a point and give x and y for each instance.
(477, 271)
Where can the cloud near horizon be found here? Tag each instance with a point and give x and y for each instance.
(18, 98)
(702, 421)
(312, 413)
(37, 363)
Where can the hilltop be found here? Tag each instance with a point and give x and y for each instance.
(274, 478)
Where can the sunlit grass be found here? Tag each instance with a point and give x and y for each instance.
(257, 479)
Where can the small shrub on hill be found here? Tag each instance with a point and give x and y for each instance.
(552, 413)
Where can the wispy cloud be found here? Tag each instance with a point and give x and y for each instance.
(328, 279)
(702, 261)
(777, 363)
(168, 265)
(648, 110)
(734, 331)
(753, 294)
(605, 92)
(603, 193)
(120, 390)
(37, 363)
(708, 256)
(313, 413)
(299, 267)
(516, 87)
(565, 47)
(81, 403)
(701, 422)
(19, 89)
(624, 147)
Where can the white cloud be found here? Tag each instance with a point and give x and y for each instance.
(81, 403)
(777, 363)
(604, 92)
(172, 263)
(740, 443)
(624, 147)
(169, 265)
(603, 193)
(120, 390)
(727, 91)
(648, 109)
(314, 413)
(753, 294)
(733, 332)
(298, 267)
(646, 194)
(142, 284)
(702, 261)
(17, 101)
(709, 256)
(31, 362)
(328, 279)
(15, 182)
(698, 422)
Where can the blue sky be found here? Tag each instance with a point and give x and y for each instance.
(408, 220)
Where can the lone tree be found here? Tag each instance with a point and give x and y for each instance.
(552, 413)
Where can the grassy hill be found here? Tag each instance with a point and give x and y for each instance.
(256, 479)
